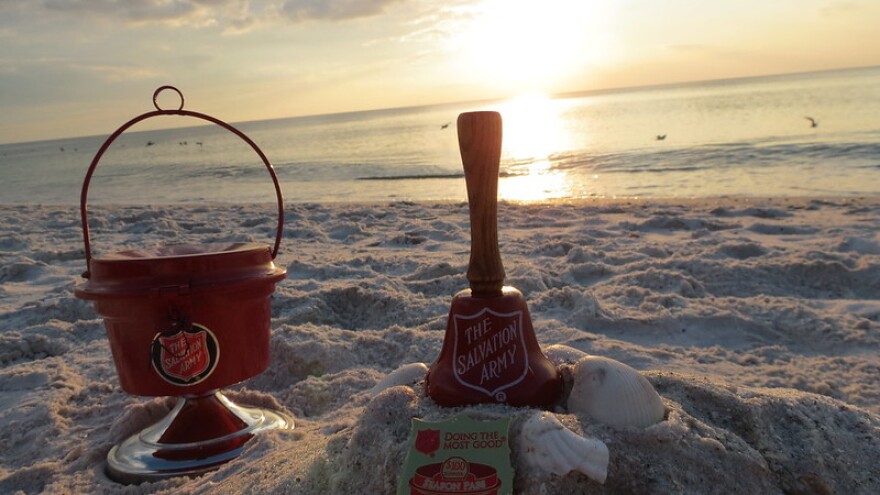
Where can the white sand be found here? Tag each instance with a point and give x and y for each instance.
(757, 321)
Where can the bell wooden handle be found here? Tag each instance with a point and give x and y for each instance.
(479, 139)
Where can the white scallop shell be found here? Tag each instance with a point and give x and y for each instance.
(614, 394)
(407, 374)
(548, 445)
(562, 354)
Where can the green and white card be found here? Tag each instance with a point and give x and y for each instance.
(457, 456)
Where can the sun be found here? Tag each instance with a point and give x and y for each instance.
(533, 45)
(532, 127)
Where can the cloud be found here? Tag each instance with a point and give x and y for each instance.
(708, 51)
(301, 10)
(690, 47)
(120, 73)
(431, 25)
(232, 16)
(193, 13)
(56, 68)
(841, 8)
(129, 10)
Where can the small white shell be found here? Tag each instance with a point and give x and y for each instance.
(548, 445)
(562, 354)
(614, 394)
(407, 374)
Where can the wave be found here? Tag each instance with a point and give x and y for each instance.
(722, 156)
(459, 175)
(413, 177)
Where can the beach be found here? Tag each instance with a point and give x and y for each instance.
(756, 320)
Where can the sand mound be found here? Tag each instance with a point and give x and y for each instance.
(715, 437)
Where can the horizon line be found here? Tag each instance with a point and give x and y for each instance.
(553, 95)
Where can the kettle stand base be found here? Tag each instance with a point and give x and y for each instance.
(198, 435)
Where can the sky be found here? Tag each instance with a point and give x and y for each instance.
(83, 67)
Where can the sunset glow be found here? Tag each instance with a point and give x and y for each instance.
(534, 45)
(74, 68)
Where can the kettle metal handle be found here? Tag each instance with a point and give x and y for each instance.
(187, 113)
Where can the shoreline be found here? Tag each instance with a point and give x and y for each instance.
(596, 200)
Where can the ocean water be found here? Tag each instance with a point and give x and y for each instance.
(744, 137)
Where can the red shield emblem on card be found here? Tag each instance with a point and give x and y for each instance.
(427, 441)
(490, 351)
(185, 357)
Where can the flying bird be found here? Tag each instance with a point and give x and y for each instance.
(661, 137)
(444, 126)
(813, 122)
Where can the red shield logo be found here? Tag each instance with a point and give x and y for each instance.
(185, 357)
(428, 441)
(489, 354)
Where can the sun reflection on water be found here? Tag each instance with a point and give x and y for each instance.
(538, 184)
(533, 133)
